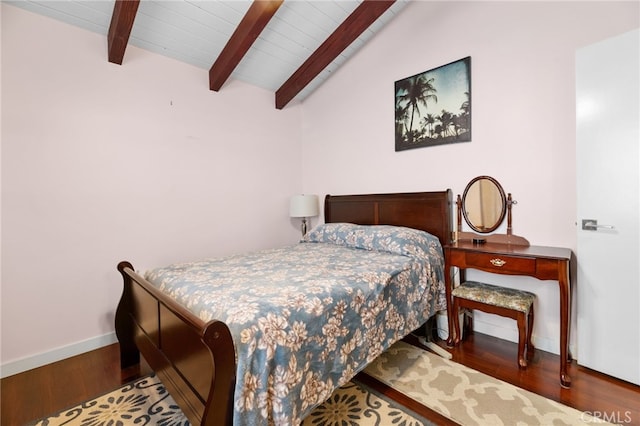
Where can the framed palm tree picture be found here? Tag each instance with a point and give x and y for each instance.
(434, 107)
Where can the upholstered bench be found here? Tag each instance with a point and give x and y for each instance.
(507, 302)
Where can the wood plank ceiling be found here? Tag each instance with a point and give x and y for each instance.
(289, 47)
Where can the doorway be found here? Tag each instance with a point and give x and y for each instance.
(608, 185)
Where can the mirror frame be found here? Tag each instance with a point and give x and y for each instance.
(503, 198)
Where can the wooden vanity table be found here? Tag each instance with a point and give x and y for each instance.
(543, 263)
(484, 207)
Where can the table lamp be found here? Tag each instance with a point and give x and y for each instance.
(304, 206)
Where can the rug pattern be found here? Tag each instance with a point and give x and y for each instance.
(461, 394)
(147, 402)
(467, 396)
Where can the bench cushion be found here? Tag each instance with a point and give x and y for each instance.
(488, 294)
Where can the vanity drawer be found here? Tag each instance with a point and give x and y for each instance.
(501, 263)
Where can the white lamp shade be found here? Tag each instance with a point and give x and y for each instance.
(304, 206)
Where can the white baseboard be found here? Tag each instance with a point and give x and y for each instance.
(58, 354)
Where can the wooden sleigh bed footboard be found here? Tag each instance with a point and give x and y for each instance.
(195, 360)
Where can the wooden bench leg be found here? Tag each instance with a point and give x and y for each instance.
(468, 323)
(530, 347)
(456, 322)
(522, 338)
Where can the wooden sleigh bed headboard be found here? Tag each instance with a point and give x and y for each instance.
(196, 359)
(427, 211)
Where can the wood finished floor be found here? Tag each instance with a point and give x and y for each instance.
(46, 390)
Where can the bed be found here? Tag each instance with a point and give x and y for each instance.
(197, 350)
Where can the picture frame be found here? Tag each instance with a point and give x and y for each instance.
(434, 107)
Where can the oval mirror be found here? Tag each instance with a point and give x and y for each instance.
(484, 204)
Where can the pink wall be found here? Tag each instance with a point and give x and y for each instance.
(93, 151)
(523, 106)
(142, 162)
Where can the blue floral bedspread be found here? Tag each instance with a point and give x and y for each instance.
(306, 318)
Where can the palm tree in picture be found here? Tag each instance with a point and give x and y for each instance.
(463, 117)
(402, 109)
(417, 91)
(402, 113)
(446, 121)
(428, 122)
(437, 130)
(458, 122)
(466, 105)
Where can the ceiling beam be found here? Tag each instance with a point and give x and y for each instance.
(124, 13)
(361, 18)
(259, 14)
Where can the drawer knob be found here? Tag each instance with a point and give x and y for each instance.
(498, 262)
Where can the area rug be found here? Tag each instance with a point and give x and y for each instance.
(466, 396)
(147, 402)
(461, 394)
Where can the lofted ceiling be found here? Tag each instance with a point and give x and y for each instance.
(289, 47)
